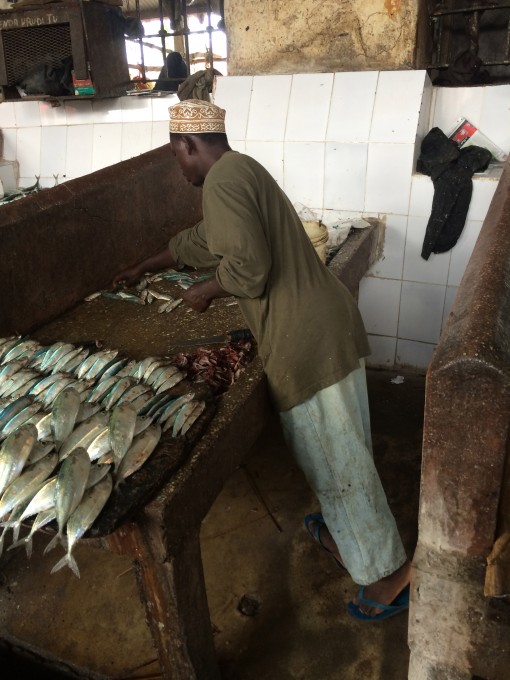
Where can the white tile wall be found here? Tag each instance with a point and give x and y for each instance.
(421, 311)
(387, 127)
(303, 172)
(268, 154)
(308, 112)
(343, 144)
(352, 102)
(379, 302)
(389, 170)
(234, 95)
(268, 108)
(345, 171)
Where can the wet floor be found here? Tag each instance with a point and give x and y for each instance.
(277, 602)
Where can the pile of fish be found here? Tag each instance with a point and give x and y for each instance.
(21, 192)
(90, 419)
(144, 293)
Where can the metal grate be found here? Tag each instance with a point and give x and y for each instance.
(32, 45)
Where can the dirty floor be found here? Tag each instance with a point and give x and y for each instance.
(277, 602)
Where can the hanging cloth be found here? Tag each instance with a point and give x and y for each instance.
(451, 170)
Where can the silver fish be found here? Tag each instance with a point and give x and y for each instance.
(42, 519)
(100, 445)
(66, 359)
(192, 418)
(137, 454)
(121, 429)
(8, 370)
(69, 489)
(44, 499)
(181, 417)
(141, 366)
(171, 382)
(84, 434)
(72, 362)
(160, 295)
(27, 484)
(42, 421)
(14, 453)
(87, 411)
(63, 414)
(115, 394)
(13, 517)
(19, 419)
(16, 381)
(39, 450)
(134, 392)
(168, 372)
(55, 357)
(24, 348)
(126, 370)
(89, 362)
(55, 390)
(44, 384)
(94, 500)
(12, 408)
(102, 389)
(48, 352)
(167, 417)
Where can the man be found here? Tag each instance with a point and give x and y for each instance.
(311, 341)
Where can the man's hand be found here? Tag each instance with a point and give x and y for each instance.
(200, 296)
(128, 277)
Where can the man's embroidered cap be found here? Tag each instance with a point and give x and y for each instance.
(195, 116)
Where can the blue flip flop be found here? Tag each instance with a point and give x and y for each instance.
(315, 533)
(399, 604)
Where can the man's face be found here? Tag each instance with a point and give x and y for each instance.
(189, 160)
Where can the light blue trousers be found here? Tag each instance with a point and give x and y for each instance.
(329, 435)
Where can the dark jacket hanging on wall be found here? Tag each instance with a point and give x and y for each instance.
(451, 170)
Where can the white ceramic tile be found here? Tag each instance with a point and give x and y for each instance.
(136, 109)
(426, 111)
(268, 108)
(136, 139)
(29, 151)
(233, 93)
(422, 194)
(238, 145)
(457, 102)
(391, 262)
(451, 292)
(9, 144)
(303, 173)
(421, 311)
(397, 126)
(49, 181)
(107, 110)
(483, 191)
(52, 115)
(309, 103)
(433, 270)
(27, 114)
(352, 102)
(80, 141)
(24, 182)
(79, 112)
(7, 115)
(495, 118)
(416, 355)
(389, 171)
(461, 251)
(383, 351)
(379, 301)
(107, 141)
(160, 134)
(160, 106)
(53, 150)
(270, 155)
(345, 172)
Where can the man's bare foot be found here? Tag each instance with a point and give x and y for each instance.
(321, 534)
(386, 590)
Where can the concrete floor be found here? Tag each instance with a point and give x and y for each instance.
(254, 546)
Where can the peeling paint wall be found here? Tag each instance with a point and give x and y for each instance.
(283, 36)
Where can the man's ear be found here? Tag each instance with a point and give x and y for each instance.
(189, 144)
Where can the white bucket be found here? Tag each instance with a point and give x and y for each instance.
(318, 235)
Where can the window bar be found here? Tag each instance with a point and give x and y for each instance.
(185, 32)
(162, 35)
(140, 41)
(209, 30)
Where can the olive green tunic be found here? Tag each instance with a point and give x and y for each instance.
(308, 328)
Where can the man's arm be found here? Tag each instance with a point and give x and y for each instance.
(200, 296)
(162, 260)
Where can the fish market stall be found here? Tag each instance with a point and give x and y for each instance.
(65, 244)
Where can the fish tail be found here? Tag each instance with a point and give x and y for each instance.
(28, 546)
(68, 560)
(17, 544)
(53, 544)
(16, 528)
